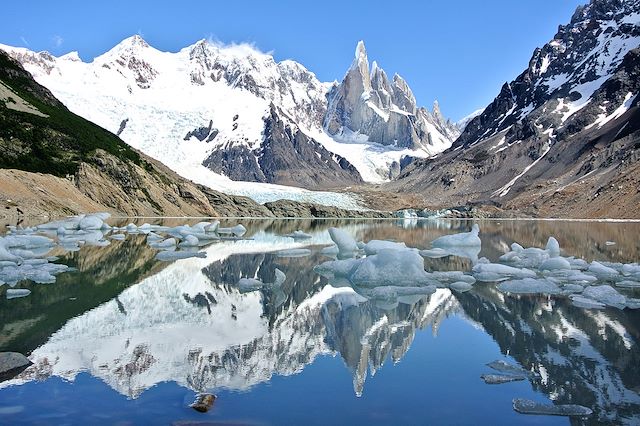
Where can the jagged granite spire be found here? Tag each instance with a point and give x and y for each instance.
(366, 103)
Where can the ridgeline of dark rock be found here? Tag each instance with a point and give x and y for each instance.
(287, 156)
(561, 139)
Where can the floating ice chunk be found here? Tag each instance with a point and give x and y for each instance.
(632, 303)
(601, 271)
(189, 241)
(610, 243)
(452, 276)
(555, 263)
(280, 278)
(153, 237)
(527, 406)
(394, 292)
(14, 293)
(345, 242)
(605, 294)
(337, 268)
(131, 228)
(583, 302)
(572, 288)
(118, 237)
(373, 246)
(462, 239)
(27, 241)
(213, 226)
(391, 268)
(502, 270)
(529, 286)
(168, 244)
(299, 235)
(249, 284)
(630, 269)
(461, 286)
(360, 245)
(627, 284)
(553, 248)
(91, 222)
(237, 230)
(331, 251)
(434, 253)
(175, 255)
(498, 379)
(6, 256)
(489, 277)
(297, 252)
(505, 367)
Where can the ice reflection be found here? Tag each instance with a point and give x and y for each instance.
(191, 323)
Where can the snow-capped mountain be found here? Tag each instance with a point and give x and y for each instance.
(206, 335)
(367, 103)
(564, 131)
(214, 112)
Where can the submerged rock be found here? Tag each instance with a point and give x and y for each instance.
(203, 402)
(497, 379)
(527, 406)
(11, 364)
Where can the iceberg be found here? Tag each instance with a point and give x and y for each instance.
(469, 239)
(166, 256)
(373, 246)
(346, 243)
(237, 230)
(297, 252)
(391, 268)
(529, 286)
(14, 293)
(605, 294)
(527, 406)
(298, 235)
(498, 379)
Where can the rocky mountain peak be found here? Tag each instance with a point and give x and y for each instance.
(366, 103)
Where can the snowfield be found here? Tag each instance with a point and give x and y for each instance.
(154, 99)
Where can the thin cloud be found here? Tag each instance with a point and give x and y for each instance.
(24, 41)
(57, 40)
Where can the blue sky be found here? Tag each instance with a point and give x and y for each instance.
(459, 52)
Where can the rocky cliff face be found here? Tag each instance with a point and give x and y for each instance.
(561, 135)
(367, 104)
(286, 156)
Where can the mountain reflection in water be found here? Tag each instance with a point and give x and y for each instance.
(139, 323)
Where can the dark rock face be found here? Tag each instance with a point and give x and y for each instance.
(588, 49)
(201, 133)
(565, 127)
(286, 156)
(287, 208)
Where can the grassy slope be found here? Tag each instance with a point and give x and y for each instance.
(55, 144)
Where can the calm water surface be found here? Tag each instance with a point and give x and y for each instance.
(126, 339)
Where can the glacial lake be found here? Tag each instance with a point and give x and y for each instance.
(123, 338)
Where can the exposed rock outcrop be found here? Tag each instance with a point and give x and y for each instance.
(286, 156)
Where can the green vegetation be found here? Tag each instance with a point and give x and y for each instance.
(54, 144)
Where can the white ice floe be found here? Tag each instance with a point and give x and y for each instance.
(15, 293)
(346, 243)
(166, 256)
(529, 286)
(296, 252)
(463, 239)
(299, 235)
